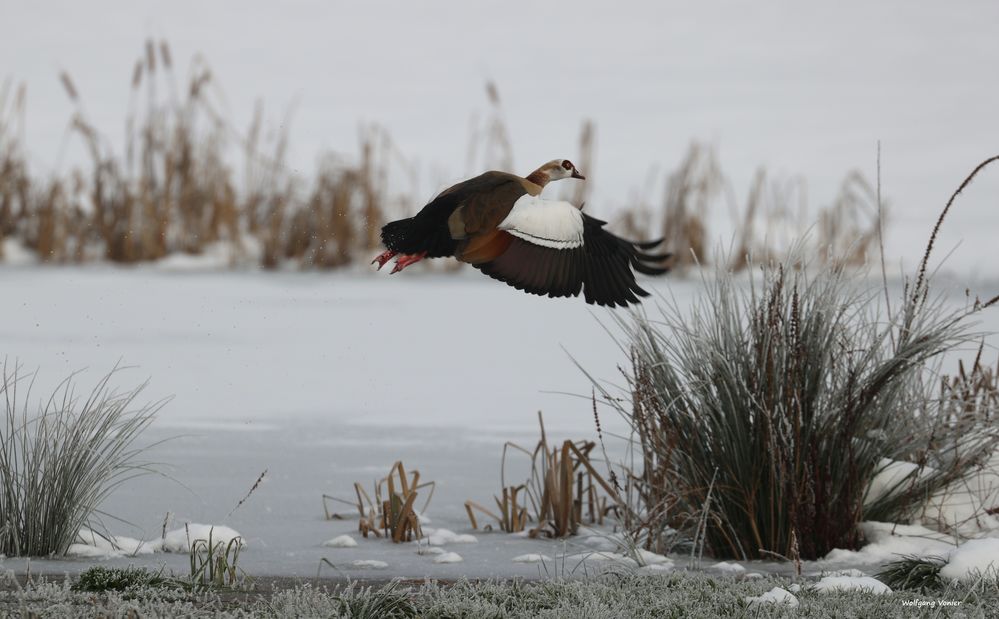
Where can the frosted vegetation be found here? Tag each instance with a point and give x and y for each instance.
(609, 596)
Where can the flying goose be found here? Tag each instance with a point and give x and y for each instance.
(498, 223)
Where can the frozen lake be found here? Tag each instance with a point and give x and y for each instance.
(322, 380)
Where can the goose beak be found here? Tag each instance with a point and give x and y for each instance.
(576, 174)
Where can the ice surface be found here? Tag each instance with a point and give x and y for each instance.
(531, 557)
(369, 564)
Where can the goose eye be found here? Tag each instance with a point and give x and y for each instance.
(567, 164)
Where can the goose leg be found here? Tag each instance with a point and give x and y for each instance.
(384, 257)
(407, 259)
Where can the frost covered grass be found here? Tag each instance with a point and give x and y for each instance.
(914, 572)
(763, 416)
(215, 562)
(58, 464)
(613, 595)
(100, 578)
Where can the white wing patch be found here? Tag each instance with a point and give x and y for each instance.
(548, 223)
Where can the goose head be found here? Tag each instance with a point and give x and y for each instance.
(554, 170)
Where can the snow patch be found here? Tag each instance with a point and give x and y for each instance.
(972, 560)
(599, 541)
(777, 595)
(828, 584)
(218, 256)
(728, 567)
(93, 546)
(448, 557)
(369, 564)
(13, 253)
(886, 541)
(646, 557)
(531, 558)
(439, 537)
(180, 540)
(342, 541)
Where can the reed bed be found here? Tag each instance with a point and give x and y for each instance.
(174, 187)
(186, 181)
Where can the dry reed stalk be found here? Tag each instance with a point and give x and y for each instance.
(393, 514)
(688, 195)
(562, 481)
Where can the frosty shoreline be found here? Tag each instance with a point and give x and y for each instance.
(325, 380)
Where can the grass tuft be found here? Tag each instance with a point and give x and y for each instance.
(770, 408)
(59, 464)
(215, 564)
(100, 578)
(914, 573)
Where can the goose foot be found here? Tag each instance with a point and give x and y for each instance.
(407, 259)
(384, 257)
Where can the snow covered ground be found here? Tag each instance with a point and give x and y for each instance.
(324, 380)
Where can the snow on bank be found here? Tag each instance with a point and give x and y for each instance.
(972, 560)
(961, 506)
(13, 253)
(887, 541)
(92, 545)
(829, 584)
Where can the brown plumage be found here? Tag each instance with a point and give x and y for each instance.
(498, 223)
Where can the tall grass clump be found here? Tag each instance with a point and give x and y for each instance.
(772, 406)
(764, 413)
(59, 462)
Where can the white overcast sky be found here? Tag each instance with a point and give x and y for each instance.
(803, 88)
